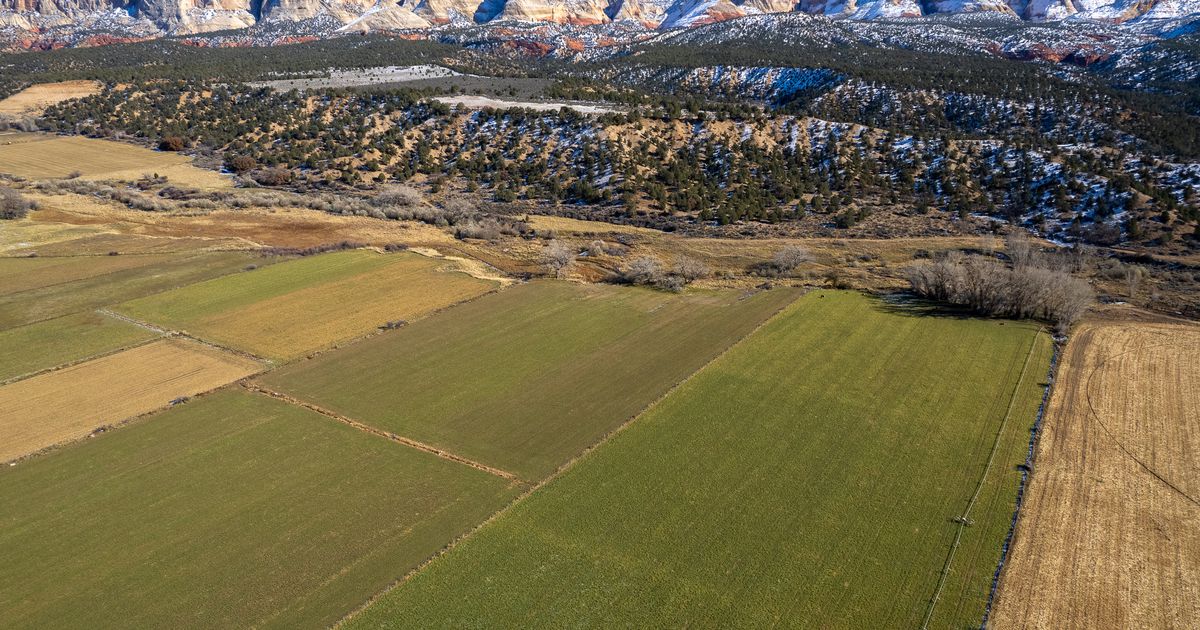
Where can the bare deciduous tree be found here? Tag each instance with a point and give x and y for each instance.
(1020, 248)
(988, 286)
(1134, 274)
(14, 205)
(790, 257)
(557, 256)
(644, 270)
(690, 269)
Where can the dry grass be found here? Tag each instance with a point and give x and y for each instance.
(34, 99)
(70, 403)
(864, 263)
(251, 227)
(23, 274)
(45, 156)
(1110, 534)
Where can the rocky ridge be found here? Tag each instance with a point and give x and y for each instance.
(183, 17)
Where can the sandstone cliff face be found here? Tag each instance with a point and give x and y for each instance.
(195, 16)
(581, 12)
(444, 11)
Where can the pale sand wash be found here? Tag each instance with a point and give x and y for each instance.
(1110, 533)
(70, 403)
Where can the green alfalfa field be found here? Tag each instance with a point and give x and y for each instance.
(527, 378)
(810, 477)
(232, 510)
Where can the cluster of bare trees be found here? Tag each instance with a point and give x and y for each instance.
(1027, 288)
(13, 205)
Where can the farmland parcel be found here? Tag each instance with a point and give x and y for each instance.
(810, 477)
(34, 347)
(1110, 534)
(69, 403)
(38, 156)
(234, 510)
(37, 289)
(524, 379)
(286, 310)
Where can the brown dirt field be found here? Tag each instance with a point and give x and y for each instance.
(49, 156)
(34, 99)
(70, 403)
(1110, 533)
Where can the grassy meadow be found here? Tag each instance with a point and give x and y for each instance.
(807, 478)
(233, 510)
(526, 378)
(286, 310)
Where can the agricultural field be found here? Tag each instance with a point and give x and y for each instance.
(525, 379)
(34, 99)
(34, 347)
(287, 310)
(233, 510)
(1109, 536)
(36, 289)
(810, 477)
(70, 403)
(40, 156)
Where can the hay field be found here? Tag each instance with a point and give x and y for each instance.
(526, 378)
(27, 349)
(286, 310)
(231, 511)
(53, 287)
(34, 99)
(806, 478)
(1110, 532)
(69, 403)
(48, 156)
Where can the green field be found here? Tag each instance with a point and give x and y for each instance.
(286, 310)
(525, 379)
(234, 510)
(45, 288)
(807, 478)
(54, 342)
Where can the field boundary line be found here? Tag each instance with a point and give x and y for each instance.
(167, 332)
(421, 446)
(561, 470)
(98, 355)
(964, 518)
(1058, 350)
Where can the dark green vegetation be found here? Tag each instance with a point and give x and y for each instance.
(810, 477)
(235, 510)
(525, 379)
(37, 289)
(676, 168)
(170, 59)
(46, 344)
